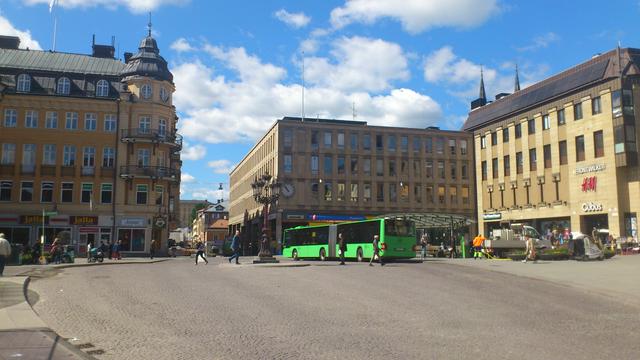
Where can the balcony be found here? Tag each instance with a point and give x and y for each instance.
(149, 172)
(151, 136)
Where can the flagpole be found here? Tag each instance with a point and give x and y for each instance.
(55, 29)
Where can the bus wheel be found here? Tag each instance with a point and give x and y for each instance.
(323, 255)
(294, 254)
(359, 255)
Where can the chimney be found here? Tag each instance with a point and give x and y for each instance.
(127, 56)
(102, 51)
(9, 42)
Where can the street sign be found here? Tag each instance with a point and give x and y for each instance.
(50, 213)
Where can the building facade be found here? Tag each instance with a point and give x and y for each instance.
(562, 153)
(211, 224)
(89, 142)
(186, 207)
(334, 170)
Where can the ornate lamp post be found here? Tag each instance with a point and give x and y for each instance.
(266, 191)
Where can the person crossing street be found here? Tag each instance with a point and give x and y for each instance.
(235, 247)
(376, 251)
(477, 246)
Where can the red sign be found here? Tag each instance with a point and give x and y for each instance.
(589, 184)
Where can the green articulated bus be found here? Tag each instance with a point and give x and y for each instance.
(397, 240)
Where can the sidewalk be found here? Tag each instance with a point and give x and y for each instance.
(23, 334)
(618, 277)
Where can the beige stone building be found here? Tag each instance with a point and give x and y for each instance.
(91, 141)
(335, 170)
(562, 153)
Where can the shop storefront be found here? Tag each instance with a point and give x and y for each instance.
(132, 233)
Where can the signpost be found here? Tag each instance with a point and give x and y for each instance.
(43, 259)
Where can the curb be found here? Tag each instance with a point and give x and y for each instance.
(65, 266)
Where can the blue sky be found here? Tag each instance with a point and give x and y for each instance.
(414, 63)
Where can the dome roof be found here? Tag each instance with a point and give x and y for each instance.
(147, 62)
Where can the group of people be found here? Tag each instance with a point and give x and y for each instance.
(112, 250)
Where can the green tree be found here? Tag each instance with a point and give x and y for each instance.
(195, 210)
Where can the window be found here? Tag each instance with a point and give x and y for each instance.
(5, 190)
(463, 171)
(404, 192)
(428, 145)
(616, 103)
(366, 166)
(577, 111)
(366, 142)
(465, 195)
(314, 140)
(483, 142)
(144, 125)
(354, 165)
(596, 106)
(31, 119)
(507, 165)
(69, 155)
(87, 193)
(416, 144)
(164, 94)
(494, 138)
(288, 163)
(391, 139)
(106, 193)
(519, 162)
(494, 167)
(159, 194)
(24, 83)
(141, 194)
(580, 148)
(354, 192)
(49, 153)
(505, 135)
(102, 88)
(354, 141)
(484, 170)
(562, 149)
(440, 146)
(314, 164)
(143, 157)
(132, 239)
(392, 168)
(546, 152)
(327, 139)
(404, 144)
(452, 147)
(379, 192)
(379, 143)
(598, 144)
(341, 165)
(452, 170)
(90, 121)
(453, 195)
(429, 193)
(110, 123)
(28, 157)
(46, 192)
(533, 160)
(146, 91)
(561, 120)
(379, 167)
(441, 194)
(341, 190)
(393, 193)
(89, 157)
(67, 193)
(328, 165)
(531, 126)
(340, 140)
(287, 138)
(26, 191)
(64, 86)
(51, 120)
(441, 172)
(8, 154)
(366, 192)
(429, 168)
(417, 193)
(328, 196)
(417, 168)
(71, 122)
(10, 118)
(546, 122)
(518, 130)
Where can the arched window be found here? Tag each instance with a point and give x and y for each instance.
(146, 91)
(24, 83)
(102, 88)
(64, 86)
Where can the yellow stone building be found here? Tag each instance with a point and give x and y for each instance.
(562, 153)
(92, 142)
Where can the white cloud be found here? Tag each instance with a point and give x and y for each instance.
(295, 20)
(26, 41)
(135, 6)
(220, 166)
(187, 178)
(359, 64)
(444, 65)
(416, 15)
(540, 42)
(209, 194)
(182, 45)
(195, 152)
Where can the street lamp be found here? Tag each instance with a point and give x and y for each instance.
(266, 191)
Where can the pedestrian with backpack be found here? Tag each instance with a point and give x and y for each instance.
(342, 248)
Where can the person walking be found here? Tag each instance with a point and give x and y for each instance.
(342, 248)
(89, 246)
(235, 247)
(376, 251)
(115, 251)
(424, 240)
(200, 252)
(5, 252)
(152, 248)
(477, 246)
(530, 250)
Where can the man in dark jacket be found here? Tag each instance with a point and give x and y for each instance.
(376, 251)
(235, 247)
(342, 248)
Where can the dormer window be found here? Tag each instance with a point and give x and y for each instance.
(146, 91)
(24, 83)
(102, 88)
(64, 86)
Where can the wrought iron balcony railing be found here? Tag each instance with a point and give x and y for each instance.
(149, 172)
(151, 135)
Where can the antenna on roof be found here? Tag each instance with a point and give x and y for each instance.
(53, 5)
(353, 111)
(149, 24)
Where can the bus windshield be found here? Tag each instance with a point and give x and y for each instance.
(397, 227)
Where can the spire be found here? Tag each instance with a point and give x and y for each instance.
(149, 25)
(483, 94)
(517, 84)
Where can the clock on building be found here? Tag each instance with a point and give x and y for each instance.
(288, 189)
